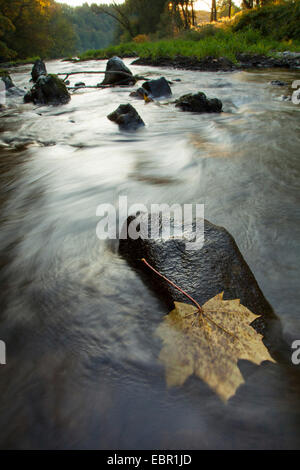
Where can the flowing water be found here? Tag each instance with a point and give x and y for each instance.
(82, 359)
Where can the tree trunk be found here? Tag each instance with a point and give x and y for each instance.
(193, 14)
(213, 15)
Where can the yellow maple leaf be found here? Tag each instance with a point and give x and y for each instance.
(147, 99)
(210, 347)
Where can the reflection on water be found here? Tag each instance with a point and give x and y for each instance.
(82, 369)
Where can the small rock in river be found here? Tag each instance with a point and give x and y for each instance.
(126, 117)
(158, 88)
(278, 83)
(199, 103)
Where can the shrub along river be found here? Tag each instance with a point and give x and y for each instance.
(82, 360)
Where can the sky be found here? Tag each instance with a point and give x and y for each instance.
(200, 4)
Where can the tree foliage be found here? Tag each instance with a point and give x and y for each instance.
(93, 29)
(227, 8)
(135, 17)
(277, 20)
(249, 4)
(34, 27)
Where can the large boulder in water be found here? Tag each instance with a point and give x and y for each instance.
(38, 69)
(6, 79)
(158, 88)
(48, 89)
(127, 117)
(117, 73)
(199, 103)
(203, 273)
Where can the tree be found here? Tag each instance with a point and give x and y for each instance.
(185, 10)
(119, 13)
(146, 17)
(6, 26)
(135, 16)
(92, 31)
(36, 27)
(62, 34)
(213, 15)
(249, 4)
(227, 8)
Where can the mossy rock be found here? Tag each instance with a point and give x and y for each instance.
(48, 89)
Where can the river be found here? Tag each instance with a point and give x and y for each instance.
(78, 322)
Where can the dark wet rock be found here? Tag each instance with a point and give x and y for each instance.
(278, 83)
(80, 84)
(286, 98)
(115, 64)
(199, 103)
(48, 90)
(153, 89)
(262, 61)
(126, 117)
(38, 69)
(139, 93)
(6, 79)
(205, 272)
(158, 88)
(67, 82)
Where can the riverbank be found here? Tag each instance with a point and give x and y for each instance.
(15, 63)
(285, 60)
(222, 50)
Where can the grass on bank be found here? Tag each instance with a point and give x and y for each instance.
(12, 63)
(220, 43)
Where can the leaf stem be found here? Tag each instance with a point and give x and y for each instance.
(199, 308)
